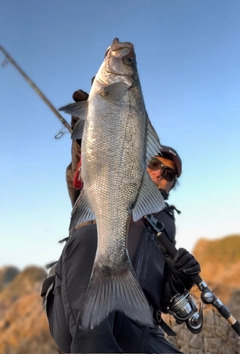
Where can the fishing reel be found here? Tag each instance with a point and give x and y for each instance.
(184, 309)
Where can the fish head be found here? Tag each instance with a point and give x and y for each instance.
(119, 64)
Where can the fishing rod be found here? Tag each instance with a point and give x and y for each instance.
(10, 59)
(207, 296)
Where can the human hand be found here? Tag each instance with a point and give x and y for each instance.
(80, 95)
(185, 262)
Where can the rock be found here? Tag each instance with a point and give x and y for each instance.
(7, 274)
(23, 325)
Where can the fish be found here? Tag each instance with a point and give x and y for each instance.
(117, 141)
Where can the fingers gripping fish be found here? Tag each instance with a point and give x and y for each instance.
(117, 140)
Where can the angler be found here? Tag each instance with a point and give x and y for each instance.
(70, 277)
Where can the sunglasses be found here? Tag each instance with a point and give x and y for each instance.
(168, 173)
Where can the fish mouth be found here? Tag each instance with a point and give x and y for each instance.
(116, 40)
(123, 51)
(116, 46)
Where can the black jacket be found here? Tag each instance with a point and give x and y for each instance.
(73, 271)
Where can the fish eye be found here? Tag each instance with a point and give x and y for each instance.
(128, 60)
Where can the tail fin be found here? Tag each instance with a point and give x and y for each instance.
(113, 289)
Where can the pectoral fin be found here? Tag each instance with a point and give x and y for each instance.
(114, 92)
(78, 109)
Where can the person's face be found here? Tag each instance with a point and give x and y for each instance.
(156, 175)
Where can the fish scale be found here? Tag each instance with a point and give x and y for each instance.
(117, 139)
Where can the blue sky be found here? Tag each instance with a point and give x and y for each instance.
(188, 60)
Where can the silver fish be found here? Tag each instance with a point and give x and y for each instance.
(117, 140)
